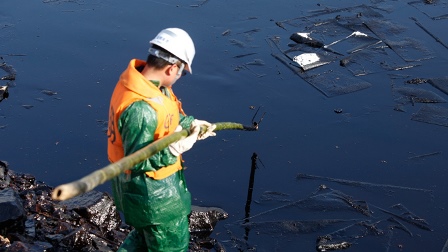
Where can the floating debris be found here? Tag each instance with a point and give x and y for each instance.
(256, 62)
(353, 43)
(325, 243)
(226, 32)
(292, 226)
(330, 83)
(3, 93)
(280, 24)
(305, 38)
(344, 62)
(9, 70)
(409, 49)
(274, 196)
(373, 60)
(199, 4)
(349, 230)
(408, 216)
(246, 66)
(400, 226)
(31, 221)
(27, 106)
(436, 10)
(49, 92)
(425, 155)
(309, 61)
(417, 95)
(359, 183)
(338, 110)
(428, 32)
(432, 114)
(243, 55)
(251, 31)
(399, 107)
(440, 83)
(237, 43)
(359, 39)
(416, 81)
(445, 247)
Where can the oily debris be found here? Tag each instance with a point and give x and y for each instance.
(31, 221)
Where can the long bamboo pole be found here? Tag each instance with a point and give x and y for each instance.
(98, 177)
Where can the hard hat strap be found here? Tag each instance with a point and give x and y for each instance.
(163, 55)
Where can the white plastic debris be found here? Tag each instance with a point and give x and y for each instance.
(359, 34)
(311, 60)
(3, 92)
(304, 35)
(306, 59)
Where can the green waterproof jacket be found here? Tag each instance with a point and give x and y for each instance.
(143, 200)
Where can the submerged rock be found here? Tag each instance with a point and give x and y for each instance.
(31, 221)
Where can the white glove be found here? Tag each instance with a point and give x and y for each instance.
(210, 127)
(185, 144)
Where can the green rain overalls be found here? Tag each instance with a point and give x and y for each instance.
(158, 209)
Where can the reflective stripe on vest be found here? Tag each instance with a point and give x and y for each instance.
(163, 172)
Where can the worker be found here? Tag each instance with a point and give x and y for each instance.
(153, 195)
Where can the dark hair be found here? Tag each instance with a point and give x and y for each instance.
(156, 62)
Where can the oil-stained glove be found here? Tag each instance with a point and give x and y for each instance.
(185, 144)
(209, 128)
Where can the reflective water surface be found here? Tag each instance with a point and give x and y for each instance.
(354, 149)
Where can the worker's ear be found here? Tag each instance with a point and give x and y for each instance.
(171, 70)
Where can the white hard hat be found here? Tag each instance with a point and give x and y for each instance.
(177, 42)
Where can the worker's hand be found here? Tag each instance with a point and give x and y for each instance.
(185, 144)
(210, 127)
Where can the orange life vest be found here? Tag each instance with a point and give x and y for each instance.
(131, 87)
